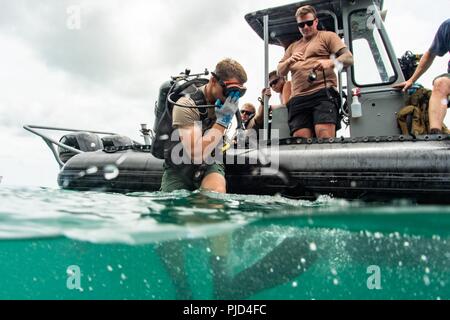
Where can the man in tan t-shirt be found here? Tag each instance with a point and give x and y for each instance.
(311, 111)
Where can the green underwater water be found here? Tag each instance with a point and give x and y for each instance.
(203, 246)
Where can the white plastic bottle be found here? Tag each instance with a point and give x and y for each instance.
(356, 108)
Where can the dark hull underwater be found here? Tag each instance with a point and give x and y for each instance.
(370, 169)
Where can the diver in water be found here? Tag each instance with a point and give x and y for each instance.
(286, 261)
(223, 90)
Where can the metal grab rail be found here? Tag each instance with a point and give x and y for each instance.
(51, 142)
(382, 90)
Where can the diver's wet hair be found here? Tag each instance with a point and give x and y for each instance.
(228, 69)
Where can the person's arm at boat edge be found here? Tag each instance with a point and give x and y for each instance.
(425, 63)
(428, 58)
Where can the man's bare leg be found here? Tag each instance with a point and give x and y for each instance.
(303, 133)
(325, 131)
(214, 182)
(438, 103)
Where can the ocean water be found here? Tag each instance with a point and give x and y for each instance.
(57, 244)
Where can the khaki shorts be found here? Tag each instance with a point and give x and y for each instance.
(187, 177)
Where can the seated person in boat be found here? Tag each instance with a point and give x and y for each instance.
(248, 112)
(441, 86)
(312, 108)
(281, 86)
(201, 132)
(278, 84)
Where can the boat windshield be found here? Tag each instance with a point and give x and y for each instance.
(373, 65)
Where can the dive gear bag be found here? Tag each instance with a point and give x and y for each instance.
(413, 119)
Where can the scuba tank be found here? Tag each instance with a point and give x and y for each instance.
(171, 90)
(163, 121)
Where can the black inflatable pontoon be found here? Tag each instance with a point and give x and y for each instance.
(376, 163)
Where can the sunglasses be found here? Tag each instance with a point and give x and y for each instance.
(306, 23)
(274, 82)
(247, 113)
(229, 87)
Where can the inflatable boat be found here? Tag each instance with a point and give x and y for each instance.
(375, 163)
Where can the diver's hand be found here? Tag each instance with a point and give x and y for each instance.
(404, 85)
(225, 112)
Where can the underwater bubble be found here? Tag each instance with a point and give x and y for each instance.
(208, 250)
(406, 244)
(91, 289)
(123, 277)
(93, 145)
(109, 268)
(92, 170)
(426, 280)
(302, 260)
(312, 246)
(424, 258)
(295, 284)
(334, 272)
(273, 34)
(353, 184)
(336, 282)
(271, 270)
(427, 270)
(111, 172)
(119, 266)
(81, 174)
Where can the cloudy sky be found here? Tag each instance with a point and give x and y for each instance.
(103, 71)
